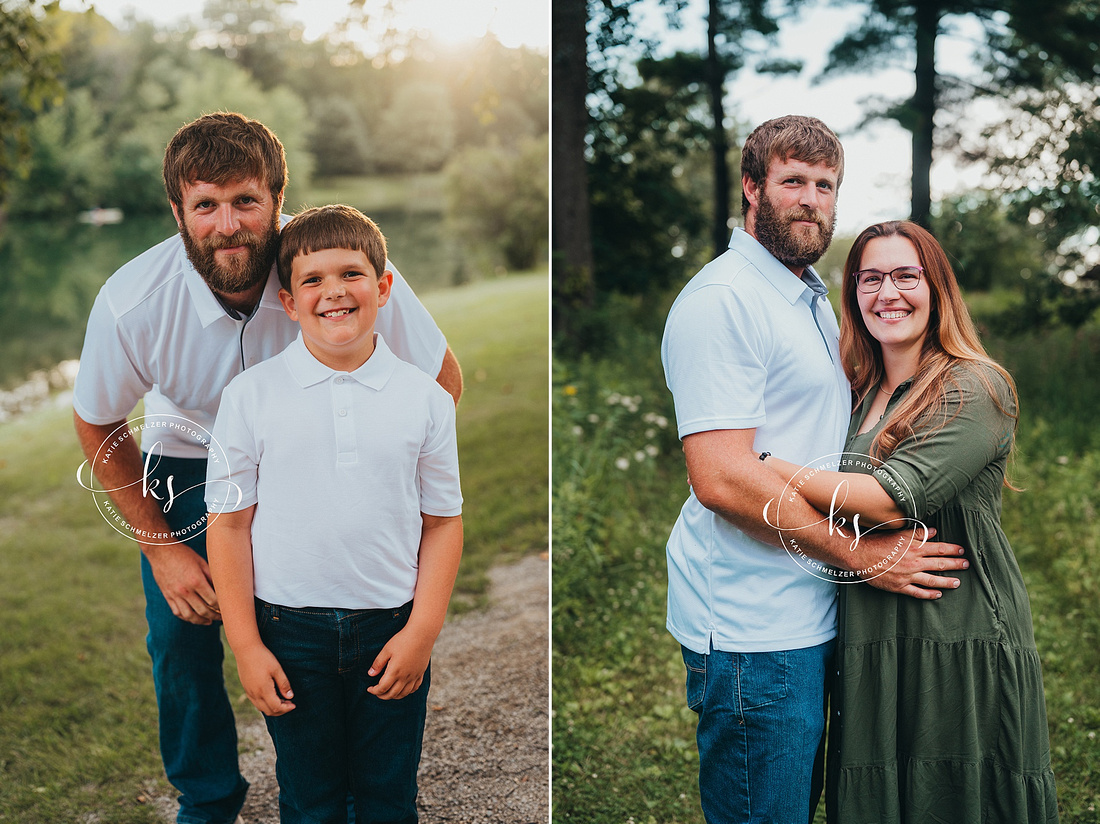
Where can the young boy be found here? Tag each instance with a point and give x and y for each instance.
(335, 531)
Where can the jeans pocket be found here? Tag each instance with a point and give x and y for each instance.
(764, 678)
(696, 678)
(265, 614)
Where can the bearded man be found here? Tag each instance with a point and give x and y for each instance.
(174, 326)
(751, 355)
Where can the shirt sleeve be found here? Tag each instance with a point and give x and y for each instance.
(952, 445)
(111, 379)
(437, 466)
(714, 359)
(232, 466)
(409, 328)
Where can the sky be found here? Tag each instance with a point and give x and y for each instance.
(514, 22)
(878, 159)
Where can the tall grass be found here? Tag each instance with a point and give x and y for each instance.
(624, 747)
(77, 713)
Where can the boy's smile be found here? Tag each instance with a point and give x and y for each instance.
(335, 296)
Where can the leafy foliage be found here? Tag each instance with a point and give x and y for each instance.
(648, 224)
(500, 198)
(990, 245)
(336, 112)
(28, 80)
(1026, 45)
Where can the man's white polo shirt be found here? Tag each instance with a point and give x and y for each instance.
(748, 345)
(340, 465)
(156, 330)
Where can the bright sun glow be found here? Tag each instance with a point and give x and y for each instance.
(513, 22)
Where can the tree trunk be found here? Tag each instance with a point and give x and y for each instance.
(719, 142)
(571, 237)
(927, 18)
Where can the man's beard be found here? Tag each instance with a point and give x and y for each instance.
(796, 248)
(239, 273)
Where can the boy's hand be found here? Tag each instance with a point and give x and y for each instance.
(402, 663)
(264, 681)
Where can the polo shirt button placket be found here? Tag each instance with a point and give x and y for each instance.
(345, 429)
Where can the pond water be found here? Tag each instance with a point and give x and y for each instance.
(51, 271)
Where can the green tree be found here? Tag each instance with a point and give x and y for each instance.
(989, 246)
(255, 34)
(416, 132)
(737, 34)
(66, 171)
(647, 156)
(500, 198)
(28, 80)
(1018, 32)
(338, 137)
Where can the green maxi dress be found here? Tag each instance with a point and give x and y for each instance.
(938, 709)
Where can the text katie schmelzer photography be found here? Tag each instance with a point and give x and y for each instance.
(164, 493)
(909, 531)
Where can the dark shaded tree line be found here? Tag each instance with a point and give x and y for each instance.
(661, 117)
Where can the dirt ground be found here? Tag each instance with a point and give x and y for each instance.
(486, 744)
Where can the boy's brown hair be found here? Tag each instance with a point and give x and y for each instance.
(221, 148)
(790, 137)
(330, 227)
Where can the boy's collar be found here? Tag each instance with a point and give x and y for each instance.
(308, 371)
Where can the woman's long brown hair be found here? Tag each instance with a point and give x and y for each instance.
(951, 339)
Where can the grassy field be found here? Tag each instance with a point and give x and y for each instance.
(624, 740)
(77, 713)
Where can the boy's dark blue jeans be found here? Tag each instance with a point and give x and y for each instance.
(340, 739)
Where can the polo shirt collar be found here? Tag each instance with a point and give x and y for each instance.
(778, 275)
(308, 371)
(208, 307)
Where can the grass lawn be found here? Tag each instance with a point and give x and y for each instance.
(624, 740)
(77, 712)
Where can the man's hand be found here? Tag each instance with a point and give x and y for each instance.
(264, 681)
(913, 574)
(729, 479)
(184, 580)
(180, 572)
(402, 663)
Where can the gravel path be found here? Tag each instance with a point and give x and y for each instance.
(486, 745)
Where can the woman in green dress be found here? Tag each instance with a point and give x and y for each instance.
(938, 712)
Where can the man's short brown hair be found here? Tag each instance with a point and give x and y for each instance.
(221, 148)
(330, 227)
(790, 137)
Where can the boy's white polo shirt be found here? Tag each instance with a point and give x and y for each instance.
(156, 330)
(748, 345)
(340, 466)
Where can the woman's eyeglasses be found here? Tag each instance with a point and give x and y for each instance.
(870, 281)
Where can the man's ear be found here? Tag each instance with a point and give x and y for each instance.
(385, 285)
(287, 300)
(279, 200)
(176, 215)
(751, 190)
